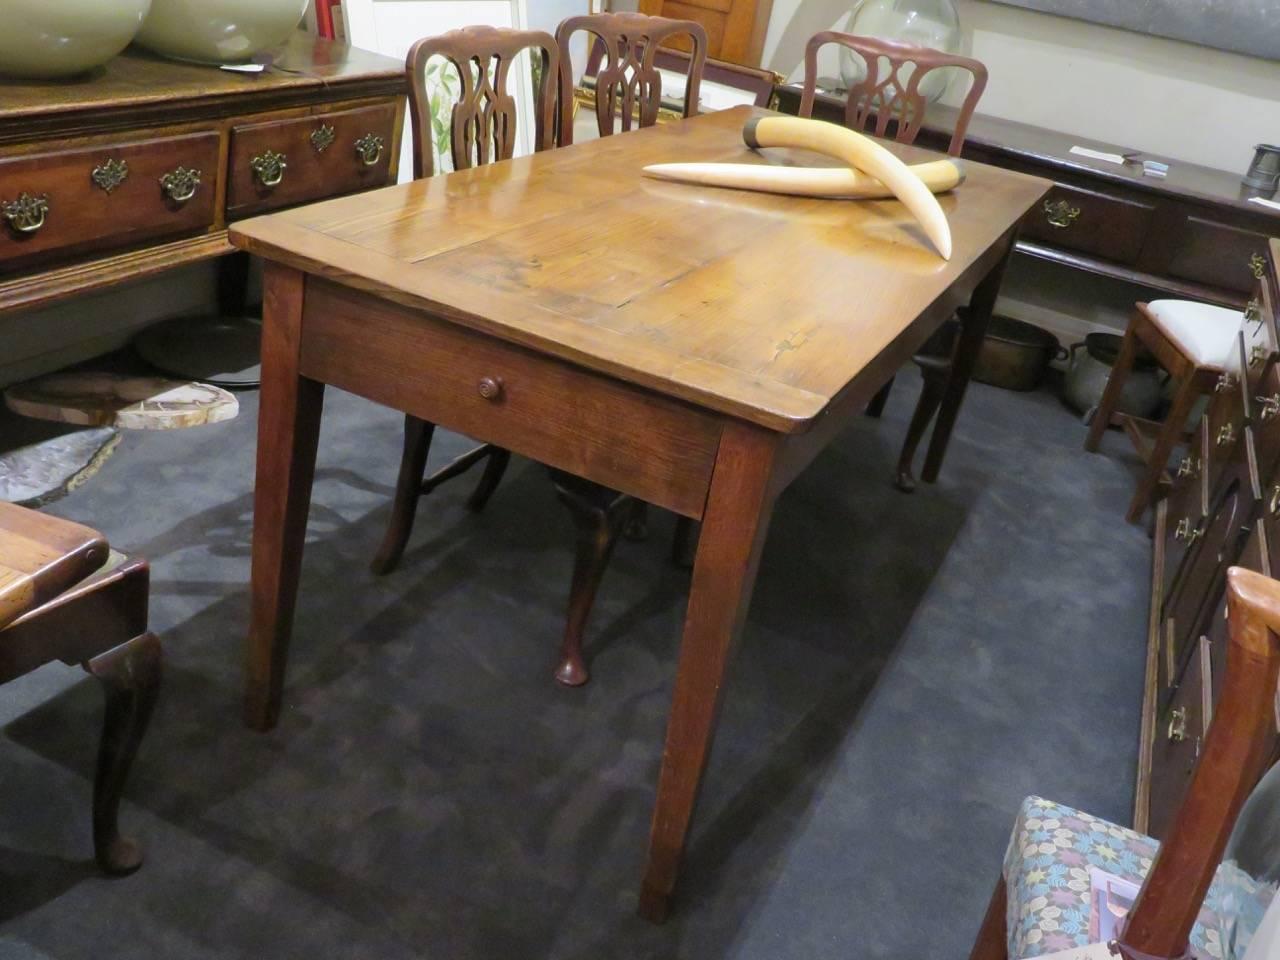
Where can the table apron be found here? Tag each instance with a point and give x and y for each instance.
(631, 439)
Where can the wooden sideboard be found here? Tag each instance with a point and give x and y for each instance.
(140, 166)
(1223, 509)
(1192, 234)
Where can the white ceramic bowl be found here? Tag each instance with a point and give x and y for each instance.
(61, 38)
(218, 31)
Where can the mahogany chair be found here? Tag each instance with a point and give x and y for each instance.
(1193, 342)
(888, 99)
(628, 90)
(1189, 894)
(482, 129)
(65, 596)
(628, 84)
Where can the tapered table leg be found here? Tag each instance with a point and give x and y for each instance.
(288, 429)
(972, 331)
(737, 515)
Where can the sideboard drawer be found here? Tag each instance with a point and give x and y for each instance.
(1188, 504)
(277, 163)
(1095, 223)
(1179, 734)
(111, 195)
(1212, 253)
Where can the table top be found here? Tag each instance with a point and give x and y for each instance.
(762, 307)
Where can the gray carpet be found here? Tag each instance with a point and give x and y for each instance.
(913, 666)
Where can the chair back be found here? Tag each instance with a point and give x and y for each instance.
(482, 124)
(628, 78)
(890, 91)
(1236, 753)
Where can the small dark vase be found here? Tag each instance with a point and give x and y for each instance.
(1264, 172)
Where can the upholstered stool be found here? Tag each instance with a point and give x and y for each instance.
(1193, 342)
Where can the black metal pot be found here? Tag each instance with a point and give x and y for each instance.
(1015, 355)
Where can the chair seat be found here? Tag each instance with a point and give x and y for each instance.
(1046, 872)
(1203, 332)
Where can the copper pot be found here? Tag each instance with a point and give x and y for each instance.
(1015, 355)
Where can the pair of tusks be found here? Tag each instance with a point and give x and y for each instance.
(873, 171)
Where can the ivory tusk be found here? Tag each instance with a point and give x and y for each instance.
(861, 153)
(838, 182)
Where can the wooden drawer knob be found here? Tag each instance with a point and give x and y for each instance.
(490, 388)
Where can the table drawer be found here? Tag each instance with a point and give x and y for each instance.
(634, 440)
(1094, 223)
(111, 195)
(277, 163)
(1179, 734)
(1212, 253)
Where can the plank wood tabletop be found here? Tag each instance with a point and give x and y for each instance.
(692, 347)
(762, 307)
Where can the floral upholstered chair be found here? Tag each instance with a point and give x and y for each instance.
(1205, 889)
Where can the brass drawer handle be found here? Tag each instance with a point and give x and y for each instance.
(27, 213)
(1253, 311)
(1270, 406)
(369, 149)
(1188, 467)
(1178, 725)
(1258, 354)
(322, 137)
(1060, 213)
(180, 185)
(110, 174)
(1225, 382)
(1226, 434)
(269, 167)
(490, 388)
(1184, 531)
(1258, 266)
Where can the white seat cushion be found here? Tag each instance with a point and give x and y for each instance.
(1203, 332)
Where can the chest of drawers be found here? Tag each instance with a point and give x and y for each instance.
(140, 166)
(1223, 510)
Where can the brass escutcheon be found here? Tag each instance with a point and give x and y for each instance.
(1060, 213)
(269, 167)
(369, 149)
(1258, 266)
(110, 174)
(1270, 406)
(1226, 434)
(180, 185)
(1178, 724)
(322, 137)
(1188, 467)
(1225, 382)
(27, 213)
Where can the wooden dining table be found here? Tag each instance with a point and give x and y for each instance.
(691, 346)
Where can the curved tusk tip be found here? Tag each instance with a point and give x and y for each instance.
(962, 170)
(749, 133)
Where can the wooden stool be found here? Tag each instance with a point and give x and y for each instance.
(65, 596)
(1192, 341)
